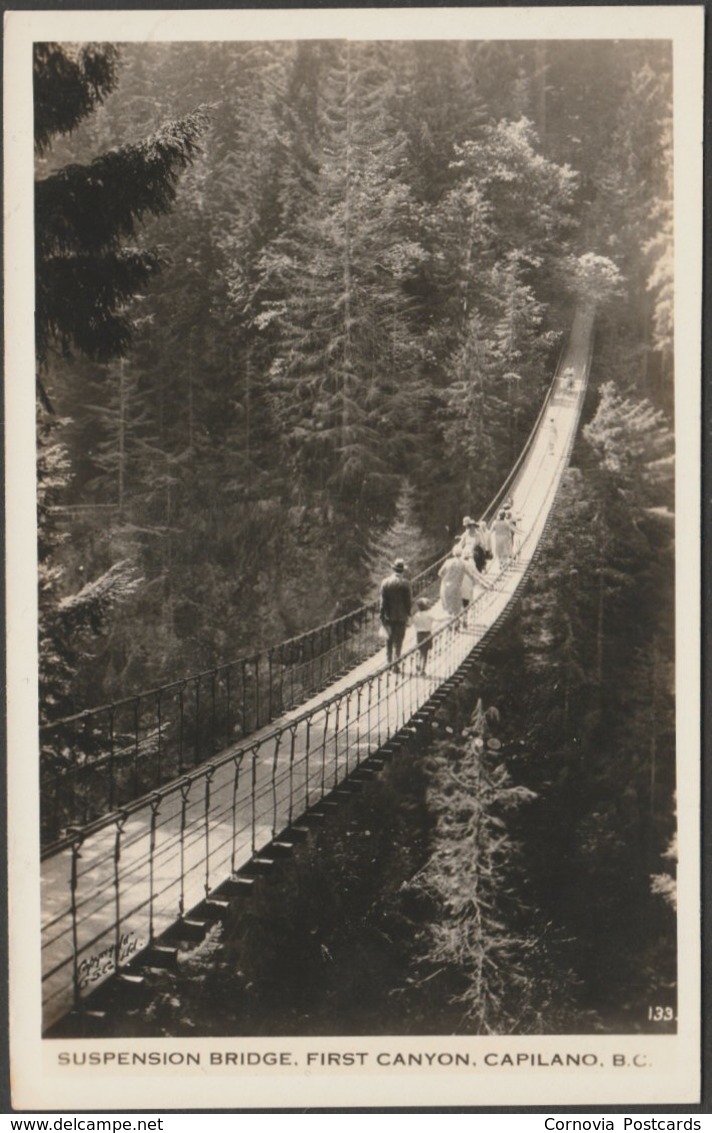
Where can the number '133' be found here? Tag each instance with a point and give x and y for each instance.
(660, 1014)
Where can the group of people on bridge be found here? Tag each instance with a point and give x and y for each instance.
(462, 579)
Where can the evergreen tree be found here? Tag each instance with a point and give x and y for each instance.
(439, 107)
(344, 342)
(68, 84)
(122, 421)
(594, 280)
(247, 432)
(67, 623)
(481, 946)
(634, 443)
(467, 426)
(598, 639)
(496, 241)
(85, 273)
(84, 276)
(632, 219)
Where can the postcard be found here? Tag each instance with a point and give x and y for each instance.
(353, 395)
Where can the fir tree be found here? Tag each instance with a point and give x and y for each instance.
(594, 280)
(67, 624)
(439, 107)
(495, 240)
(68, 84)
(84, 277)
(85, 272)
(598, 651)
(484, 949)
(342, 312)
(632, 220)
(634, 443)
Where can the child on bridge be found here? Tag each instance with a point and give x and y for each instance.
(423, 621)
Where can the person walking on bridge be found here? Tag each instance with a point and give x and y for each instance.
(502, 531)
(466, 542)
(396, 605)
(452, 575)
(482, 551)
(552, 435)
(423, 621)
(473, 543)
(473, 583)
(514, 518)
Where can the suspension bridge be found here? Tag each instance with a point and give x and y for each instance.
(161, 808)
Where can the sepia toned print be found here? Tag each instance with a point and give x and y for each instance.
(365, 688)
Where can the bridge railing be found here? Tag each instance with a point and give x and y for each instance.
(505, 488)
(124, 879)
(137, 872)
(131, 875)
(101, 759)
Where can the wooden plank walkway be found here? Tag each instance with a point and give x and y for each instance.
(129, 880)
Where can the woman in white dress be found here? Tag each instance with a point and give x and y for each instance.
(452, 574)
(502, 531)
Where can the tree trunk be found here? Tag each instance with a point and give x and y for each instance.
(653, 726)
(247, 408)
(122, 432)
(191, 349)
(600, 617)
(540, 87)
(346, 378)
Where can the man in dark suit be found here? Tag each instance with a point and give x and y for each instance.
(396, 603)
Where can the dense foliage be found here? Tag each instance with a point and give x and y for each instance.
(85, 275)
(368, 275)
(367, 278)
(359, 300)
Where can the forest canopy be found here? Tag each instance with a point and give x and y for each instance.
(370, 264)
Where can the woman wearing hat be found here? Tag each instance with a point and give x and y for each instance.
(502, 531)
(474, 543)
(452, 574)
(466, 542)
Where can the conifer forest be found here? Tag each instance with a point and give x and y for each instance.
(298, 304)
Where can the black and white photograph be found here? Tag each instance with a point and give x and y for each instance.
(355, 729)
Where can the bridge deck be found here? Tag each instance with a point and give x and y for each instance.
(123, 883)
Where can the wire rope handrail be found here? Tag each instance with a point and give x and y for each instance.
(115, 885)
(514, 470)
(165, 861)
(285, 644)
(293, 719)
(344, 619)
(105, 757)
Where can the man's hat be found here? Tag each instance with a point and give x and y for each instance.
(468, 521)
(399, 565)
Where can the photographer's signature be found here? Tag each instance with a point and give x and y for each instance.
(93, 968)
